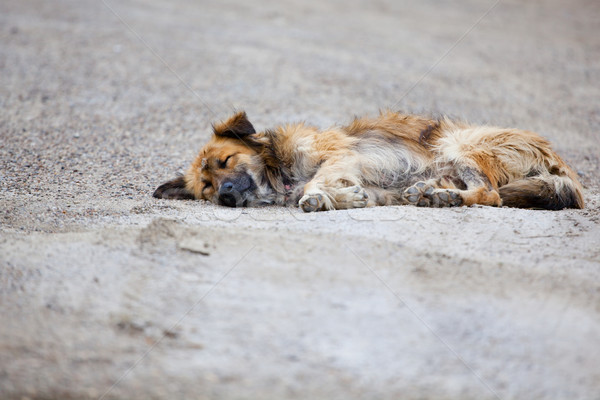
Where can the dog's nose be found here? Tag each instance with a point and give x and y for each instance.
(227, 195)
(227, 187)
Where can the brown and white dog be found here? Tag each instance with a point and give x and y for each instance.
(390, 159)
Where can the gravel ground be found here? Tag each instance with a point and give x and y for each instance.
(109, 293)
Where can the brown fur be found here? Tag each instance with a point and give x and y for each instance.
(389, 159)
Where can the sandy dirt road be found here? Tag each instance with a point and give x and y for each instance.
(108, 293)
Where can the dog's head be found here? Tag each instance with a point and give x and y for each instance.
(233, 169)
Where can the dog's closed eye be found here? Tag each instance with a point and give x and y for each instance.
(223, 163)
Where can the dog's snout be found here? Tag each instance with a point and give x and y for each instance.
(228, 200)
(226, 187)
(234, 191)
(228, 196)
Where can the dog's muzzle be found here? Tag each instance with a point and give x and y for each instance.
(228, 196)
(233, 192)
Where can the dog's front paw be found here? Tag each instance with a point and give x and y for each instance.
(311, 202)
(351, 197)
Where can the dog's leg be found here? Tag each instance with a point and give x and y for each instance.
(443, 192)
(479, 188)
(336, 185)
(320, 196)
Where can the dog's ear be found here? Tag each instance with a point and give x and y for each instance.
(173, 190)
(236, 127)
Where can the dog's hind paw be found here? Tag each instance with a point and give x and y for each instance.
(422, 194)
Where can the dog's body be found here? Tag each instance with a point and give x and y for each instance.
(386, 160)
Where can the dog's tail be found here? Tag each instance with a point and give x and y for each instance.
(550, 192)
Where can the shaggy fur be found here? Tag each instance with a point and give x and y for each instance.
(390, 159)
